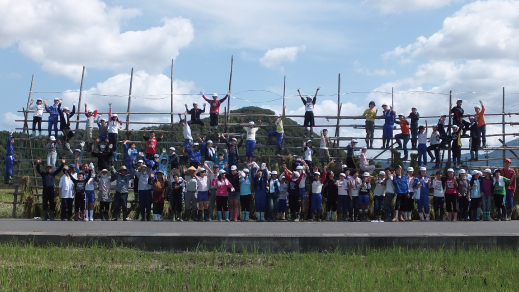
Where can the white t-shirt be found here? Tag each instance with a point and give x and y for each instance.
(324, 139)
(303, 181)
(202, 184)
(380, 187)
(187, 131)
(309, 106)
(114, 126)
(308, 153)
(390, 188)
(283, 191)
(67, 187)
(342, 185)
(356, 186)
(38, 110)
(90, 186)
(251, 133)
(422, 138)
(316, 187)
(434, 138)
(438, 188)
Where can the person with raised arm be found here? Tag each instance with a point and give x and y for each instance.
(53, 116)
(389, 122)
(309, 112)
(47, 177)
(214, 109)
(278, 133)
(89, 127)
(37, 116)
(9, 159)
(195, 113)
(114, 125)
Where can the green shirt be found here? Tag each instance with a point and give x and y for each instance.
(500, 186)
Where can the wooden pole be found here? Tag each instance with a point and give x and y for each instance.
(172, 115)
(449, 152)
(129, 106)
(337, 129)
(392, 105)
(229, 98)
(80, 96)
(284, 88)
(503, 125)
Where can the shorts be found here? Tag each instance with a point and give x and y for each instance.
(303, 193)
(234, 195)
(363, 199)
(103, 138)
(90, 197)
(202, 196)
(282, 205)
(309, 119)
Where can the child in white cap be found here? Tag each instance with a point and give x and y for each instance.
(214, 109)
(378, 198)
(250, 143)
(309, 112)
(37, 116)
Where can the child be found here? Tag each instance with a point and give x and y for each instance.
(364, 163)
(191, 191)
(370, 115)
(245, 194)
(378, 198)
(79, 195)
(308, 151)
(309, 112)
(509, 173)
(53, 116)
(90, 196)
(294, 194)
(114, 125)
(438, 185)
(274, 187)
(354, 194)
(130, 154)
(64, 124)
(486, 193)
(415, 117)
(233, 149)
(214, 109)
(443, 134)
(52, 151)
(104, 196)
(343, 198)
(195, 153)
(278, 133)
(404, 136)
(222, 184)
(175, 196)
(103, 131)
(203, 194)
(434, 142)
(212, 192)
(482, 125)
(173, 159)
(260, 192)
(48, 188)
(499, 184)
(90, 115)
(283, 194)
(350, 154)
(186, 130)
(422, 193)
(195, 113)
(142, 175)
(221, 163)
(234, 197)
(323, 151)
(316, 202)
(66, 195)
(475, 196)
(160, 184)
(365, 186)
(401, 184)
(302, 189)
(122, 178)
(389, 122)
(422, 145)
(209, 153)
(164, 161)
(103, 157)
(390, 195)
(37, 116)
(151, 144)
(451, 196)
(78, 154)
(250, 143)
(457, 119)
(456, 146)
(475, 140)
(9, 159)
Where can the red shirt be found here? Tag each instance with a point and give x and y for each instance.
(215, 104)
(450, 186)
(404, 126)
(508, 174)
(151, 145)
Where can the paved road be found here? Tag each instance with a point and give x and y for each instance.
(255, 229)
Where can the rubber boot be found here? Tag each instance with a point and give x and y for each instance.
(296, 217)
(188, 215)
(279, 151)
(478, 214)
(333, 216)
(219, 216)
(455, 216)
(388, 216)
(226, 213)
(39, 134)
(173, 216)
(508, 214)
(306, 134)
(302, 216)
(44, 218)
(51, 216)
(247, 215)
(427, 217)
(355, 215)
(421, 216)
(395, 216)
(473, 215)
(199, 215)
(76, 216)
(242, 215)
(10, 179)
(328, 216)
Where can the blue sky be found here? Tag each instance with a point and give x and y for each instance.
(420, 45)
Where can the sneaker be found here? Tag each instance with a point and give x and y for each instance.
(85, 220)
(91, 219)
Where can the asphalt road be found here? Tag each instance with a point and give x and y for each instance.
(264, 229)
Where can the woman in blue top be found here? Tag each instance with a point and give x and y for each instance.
(245, 193)
(475, 196)
(260, 192)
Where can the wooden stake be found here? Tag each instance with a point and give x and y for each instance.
(449, 153)
(339, 106)
(392, 142)
(503, 125)
(129, 106)
(172, 114)
(80, 95)
(229, 98)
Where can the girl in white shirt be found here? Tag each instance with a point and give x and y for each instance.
(250, 143)
(438, 196)
(37, 116)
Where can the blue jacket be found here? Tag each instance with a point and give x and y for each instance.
(48, 178)
(9, 148)
(245, 183)
(389, 117)
(221, 164)
(52, 110)
(195, 155)
(401, 184)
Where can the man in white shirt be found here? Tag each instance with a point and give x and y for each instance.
(66, 195)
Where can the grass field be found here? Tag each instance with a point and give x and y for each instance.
(30, 268)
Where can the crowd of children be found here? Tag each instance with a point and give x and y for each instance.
(211, 180)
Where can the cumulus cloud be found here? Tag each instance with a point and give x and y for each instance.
(8, 121)
(64, 35)
(275, 57)
(377, 72)
(406, 5)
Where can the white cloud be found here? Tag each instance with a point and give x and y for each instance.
(274, 57)
(377, 72)
(64, 35)
(8, 122)
(393, 6)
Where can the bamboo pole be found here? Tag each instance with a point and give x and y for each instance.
(283, 111)
(172, 113)
(227, 119)
(337, 128)
(129, 106)
(503, 125)
(80, 96)
(449, 153)
(392, 141)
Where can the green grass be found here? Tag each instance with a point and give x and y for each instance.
(101, 268)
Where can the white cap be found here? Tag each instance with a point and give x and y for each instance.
(52, 138)
(354, 141)
(201, 170)
(309, 96)
(274, 172)
(462, 171)
(384, 104)
(115, 115)
(234, 167)
(246, 170)
(401, 115)
(215, 94)
(298, 159)
(477, 106)
(221, 171)
(140, 161)
(39, 99)
(423, 169)
(487, 170)
(251, 123)
(234, 139)
(90, 111)
(474, 172)
(364, 147)
(77, 150)
(381, 173)
(342, 174)
(172, 148)
(299, 167)
(317, 173)
(56, 98)
(209, 141)
(66, 108)
(410, 169)
(196, 144)
(480, 173)
(366, 174)
(102, 146)
(309, 141)
(102, 120)
(296, 174)
(450, 170)
(195, 103)
(344, 166)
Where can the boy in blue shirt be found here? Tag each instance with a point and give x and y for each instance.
(389, 122)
